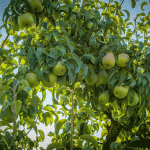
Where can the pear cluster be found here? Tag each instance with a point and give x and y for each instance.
(27, 19)
(109, 61)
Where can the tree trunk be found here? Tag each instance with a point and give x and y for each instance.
(113, 132)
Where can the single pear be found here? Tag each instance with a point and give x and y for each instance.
(120, 91)
(25, 20)
(135, 100)
(80, 75)
(91, 80)
(52, 79)
(123, 59)
(103, 98)
(89, 25)
(60, 69)
(109, 60)
(36, 5)
(102, 78)
(32, 79)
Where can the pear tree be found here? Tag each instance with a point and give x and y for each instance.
(95, 67)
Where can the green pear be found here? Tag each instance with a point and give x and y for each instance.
(135, 99)
(120, 91)
(32, 79)
(25, 20)
(52, 79)
(102, 78)
(36, 5)
(91, 80)
(109, 60)
(80, 76)
(103, 98)
(60, 69)
(122, 60)
(89, 25)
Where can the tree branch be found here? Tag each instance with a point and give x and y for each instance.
(71, 142)
(5, 40)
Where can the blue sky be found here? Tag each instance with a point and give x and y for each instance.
(126, 5)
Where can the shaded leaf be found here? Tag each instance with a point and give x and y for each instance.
(59, 124)
(89, 138)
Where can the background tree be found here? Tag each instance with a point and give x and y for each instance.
(92, 71)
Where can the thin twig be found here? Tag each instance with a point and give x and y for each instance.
(71, 142)
(135, 28)
(5, 40)
(14, 129)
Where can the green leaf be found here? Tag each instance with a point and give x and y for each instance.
(128, 14)
(144, 3)
(18, 106)
(91, 57)
(31, 123)
(89, 138)
(89, 111)
(8, 138)
(48, 118)
(133, 3)
(59, 124)
(5, 123)
(41, 134)
(114, 145)
(54, 145)
(48, 108)
(60, 90)
(3, 88)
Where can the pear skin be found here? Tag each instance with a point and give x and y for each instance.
(120, 91)
(102, 78)
(103, 98)
(25, 20)
(60, 69)
(135, 100)
(109, 60)
(123, 59)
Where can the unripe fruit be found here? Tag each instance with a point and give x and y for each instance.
(91, 80)
(32, 79)
(52, 79)
(120, 91)
(122, 60)
(90, 24)
(102, 78)
(135, 99)
(25, 20)
(103, 98)
(60, 69)
(109, 60)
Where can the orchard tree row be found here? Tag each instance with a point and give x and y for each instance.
(84, 53)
